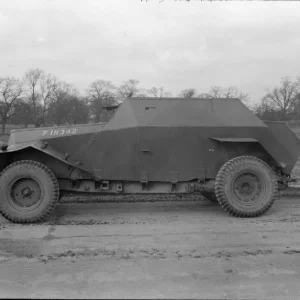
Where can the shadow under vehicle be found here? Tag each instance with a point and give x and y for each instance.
(214, 147)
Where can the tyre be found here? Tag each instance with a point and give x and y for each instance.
(246, 187)
(210, 196)
(28, 192)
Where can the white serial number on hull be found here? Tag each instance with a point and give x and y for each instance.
(66, 131)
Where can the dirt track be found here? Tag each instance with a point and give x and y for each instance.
(153, 250)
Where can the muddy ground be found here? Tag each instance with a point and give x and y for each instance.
(172, 249)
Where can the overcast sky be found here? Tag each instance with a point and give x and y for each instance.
(174, 44)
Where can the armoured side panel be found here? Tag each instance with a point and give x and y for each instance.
(286, 142)
(111, 155)
(268, 139)
(189, 152)
(173, 153)
(166, 153)
(45, 133)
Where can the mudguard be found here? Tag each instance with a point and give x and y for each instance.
(44, 147)
(281, 144)
(287, 146)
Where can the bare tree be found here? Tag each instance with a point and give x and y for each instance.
(205, 96)
(158, 92)
(63, 90)
(10, 92)
(71, 110)
(78, 111)
(129, 89)
(283, 98)
(101, 93)
(60, 109)
(40, 90)
(229, 92)
(264, 110)
(216, 92)
(188, 93)
(48, 86)
(142, 93)
(21, 114)
(31, 80)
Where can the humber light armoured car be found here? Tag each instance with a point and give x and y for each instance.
(214, 147)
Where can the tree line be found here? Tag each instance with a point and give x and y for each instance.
(282, 103)
(42, 99)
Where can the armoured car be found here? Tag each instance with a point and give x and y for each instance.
(214, 147)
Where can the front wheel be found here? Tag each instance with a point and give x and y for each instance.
(28, 191)
(246, 187)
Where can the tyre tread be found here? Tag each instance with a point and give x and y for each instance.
(220, 182)
(54, 196)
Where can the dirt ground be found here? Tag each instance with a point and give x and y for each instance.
(186, 249)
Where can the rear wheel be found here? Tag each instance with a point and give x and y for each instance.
(28, 192)
(246, 187)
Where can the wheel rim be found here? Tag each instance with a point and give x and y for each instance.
(25, 194)
(247, 189)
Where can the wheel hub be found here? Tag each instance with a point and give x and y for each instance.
(25, 192)
(246, 188)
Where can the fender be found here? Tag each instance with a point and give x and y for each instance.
(44, 147)
(243, 140)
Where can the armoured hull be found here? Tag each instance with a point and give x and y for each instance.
(216, 147)
(171, 139)
(160, 153)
